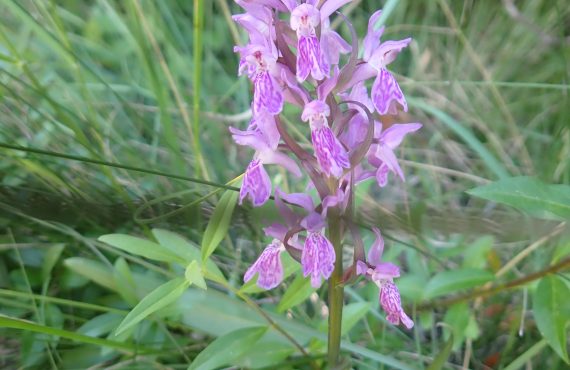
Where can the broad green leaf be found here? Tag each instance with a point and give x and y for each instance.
(141, 247)
(187, 250)
(100, 325)
(227, 348)
(124, 281)
(194, 275)
(442, 356)
(530, 195)
(451, 281)
(265, 354)
(219, 223)
(159, 298)
(92, 270)
(217, 314)
(551, 309)
(176, 244)
(457, 317)
(299, 290)
(50, 259)
(475, 254)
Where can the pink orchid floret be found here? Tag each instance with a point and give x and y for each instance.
(382, 154)
(331, 155)
(268, 266)
(318, 258)
(383, 274)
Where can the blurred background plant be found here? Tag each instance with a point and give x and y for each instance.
(113, 123)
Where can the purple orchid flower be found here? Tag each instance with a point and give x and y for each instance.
(268, 266)
(331, 155)
(262, 68)
(382, 154)
(383, 275)
(311, 58)
(256, 183)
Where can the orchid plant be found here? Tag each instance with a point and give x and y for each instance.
(293, 56)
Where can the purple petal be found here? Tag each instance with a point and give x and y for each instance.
(391, 303)
(382, 175)
(316, 108)
(267, 95)
(251, 137)
(310, 59)
(318, 258)
(394, 135)
(385, 271)
(372, 39)
(356, 133)
(330, 153)
(331, 6)
(375, 252)
(340, 198)
(288, 215)
(387, 156)
(301, 96)
(266, 124)
(299, 199)
(333, 45)
(268, 266)
(387, 52)
(283, 160)
(386, 93)
(313, 222)
(361, 268)
(256, 184)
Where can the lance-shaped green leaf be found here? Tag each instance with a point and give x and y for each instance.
(551, 309)
(227, 348)
(451, 281)
(159, 298)
(299, 290)
(141, 247)
(194, 275)
(529, 195)
(443, 355)
(187, 250)
(219, 224)
(92, 270)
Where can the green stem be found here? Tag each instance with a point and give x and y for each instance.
(336, 290)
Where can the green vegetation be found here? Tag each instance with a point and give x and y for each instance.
(118, 182)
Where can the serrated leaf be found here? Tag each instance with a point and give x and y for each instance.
(451, 281)
(299, 290)
(187, 250)
(551, 309)
(194, 275)
(159, 298)
(219, 223)
(141, 247)
(92, 270)
(227, 348)
(528, 194)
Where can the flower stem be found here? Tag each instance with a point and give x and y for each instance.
(336, 290)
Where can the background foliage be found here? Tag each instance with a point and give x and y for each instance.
(125, 130)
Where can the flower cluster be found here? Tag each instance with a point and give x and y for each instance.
(293, 56)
